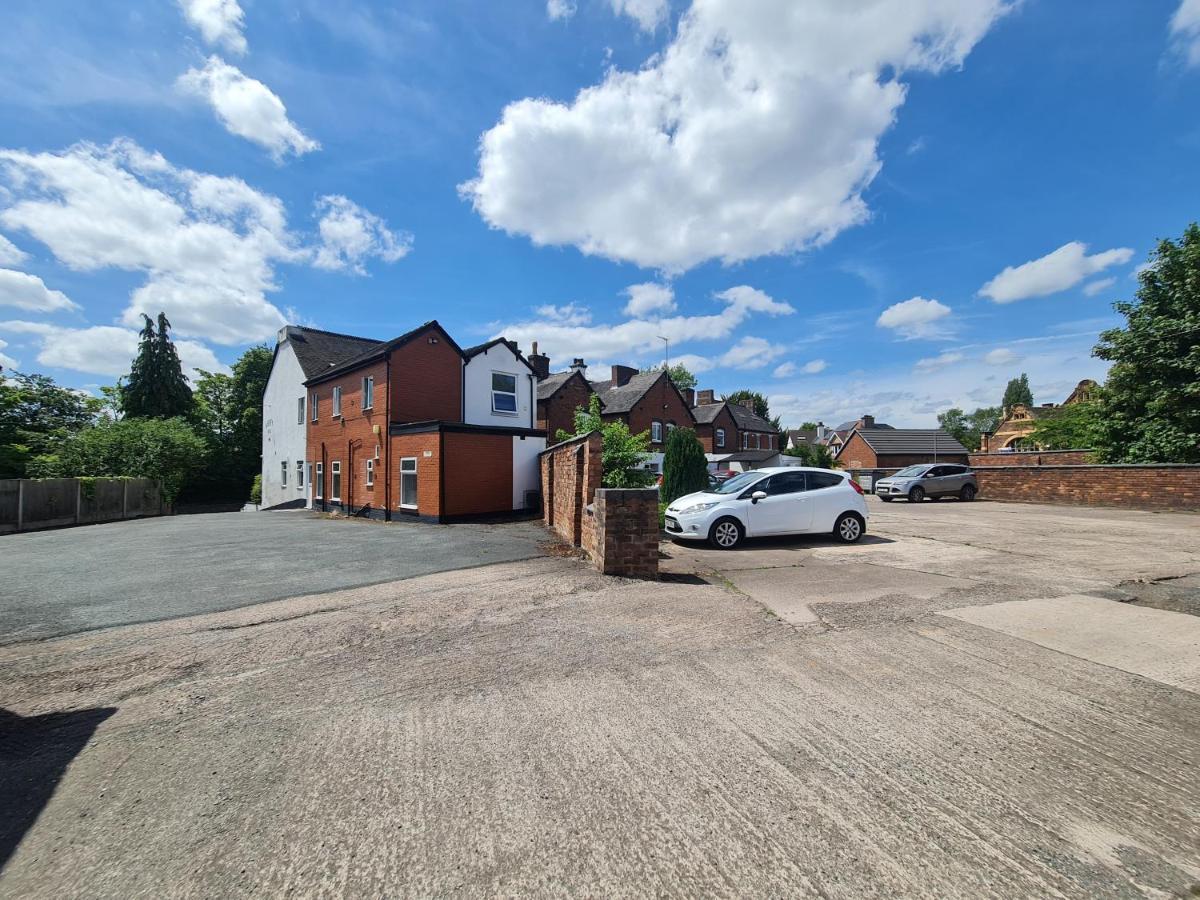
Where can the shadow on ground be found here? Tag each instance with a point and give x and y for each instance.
(34, 753)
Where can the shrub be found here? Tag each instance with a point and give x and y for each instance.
(256, 490)
(685, 468)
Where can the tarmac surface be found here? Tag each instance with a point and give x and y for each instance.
(532, 728)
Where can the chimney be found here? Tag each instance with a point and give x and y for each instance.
(578, 365)
(821, 431)
(286, 332)
(539, 363)
(689, 397)
(868, 421)
(622, 374)
(704, 398)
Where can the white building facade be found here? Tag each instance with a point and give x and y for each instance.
(284, 447)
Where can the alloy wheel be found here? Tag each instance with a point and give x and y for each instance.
(850, 529)
(726, 534)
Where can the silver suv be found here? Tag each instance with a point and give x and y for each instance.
(936, 480)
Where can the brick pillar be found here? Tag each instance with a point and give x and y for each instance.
(620, 532)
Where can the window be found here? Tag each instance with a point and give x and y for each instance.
(283, 473)
(309, 466)
(656, 432)
(504, 393)
(783, 483)
(335, 478)
(370, 473)
(720, 437)
(299, 474)
(319, 484)
(313, 403)
(299, 410)
(368, 392)
(818, 480)
(337, 402)
(754, 442)
(408, 483)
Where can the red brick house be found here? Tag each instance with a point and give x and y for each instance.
(389, 430)
(644, 401)
(895, 448)
(558, 396)
(725, 427)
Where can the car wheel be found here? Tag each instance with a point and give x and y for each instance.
(886, 499)
(848, 528)
(916, 495)
(967, 493)
(726, 534)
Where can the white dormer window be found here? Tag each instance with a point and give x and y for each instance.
(337, 402)
(504, 393)
(368, 392)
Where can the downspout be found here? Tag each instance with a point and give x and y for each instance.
(324, 469)
(387, 442)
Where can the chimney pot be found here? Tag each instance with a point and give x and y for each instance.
(689, 397)
(539, 363)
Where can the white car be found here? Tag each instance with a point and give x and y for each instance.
(791, 500)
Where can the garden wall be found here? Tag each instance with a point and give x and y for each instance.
(1165, 487)
(29, 504)
(1033, 458)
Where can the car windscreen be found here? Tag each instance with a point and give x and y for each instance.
(737, 483)
(910, 471)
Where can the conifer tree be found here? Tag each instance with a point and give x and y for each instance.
(685, 468)
(156, 387)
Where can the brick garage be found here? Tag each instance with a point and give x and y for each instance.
(1164, 487)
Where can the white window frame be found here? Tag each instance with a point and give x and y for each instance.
(720, 438)
(308, 473)
(313, 403)
(656, 432)
(299, 410)
(283, 473)
(319, 483)
(513, 393)
(299, 474)
(337, 403)
(368, 392)
(408, 471)
(370, 482)
(335, 480)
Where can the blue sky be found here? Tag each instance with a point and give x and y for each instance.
(887, 207)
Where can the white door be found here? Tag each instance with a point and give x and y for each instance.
(827, 499)
(786, 508)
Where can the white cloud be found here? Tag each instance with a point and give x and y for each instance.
(10, 253)
(936, 363)
(916, 318)
(30, 293)
(350, 235)
(649, 14)
(565, 332)
(560, 9)
(750, 353)
(247, 108)
(207, 245)
(103, 349)
(785, 370)
(815, 367)
(1091, 289)
(218, 21)
(648, 298)
(1001, 356)
(1185, 31)
(1054, 272)
(754, 132)
(6, 361)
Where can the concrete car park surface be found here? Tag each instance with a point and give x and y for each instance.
(532, 728)
(75, 579)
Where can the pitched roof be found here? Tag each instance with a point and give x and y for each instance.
(708, 412)
(317, 350)
(472, 352)
(846, 427)
(748, 420)
(751, 456)
(910, 440)
(802, 435)
(382, 349)
(549, 385)
(622, 399)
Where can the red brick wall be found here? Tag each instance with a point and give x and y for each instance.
(1142, 487)
(620, 532)
(351, 437)
(857, 454)
(429, 471)
(708, 433)
(559, 411)
(662, 403)
(570, 476)
(426, 380)
(1037, 458)
(478, 470)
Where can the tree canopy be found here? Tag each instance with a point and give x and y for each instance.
(1017, 391)
(35, 416)
(1151, 402)
(685, 467)
(758, 403)
(967, 428)
(623, 454)
(156, 387)
(1079, 426)
(679, 374)
(817, 455)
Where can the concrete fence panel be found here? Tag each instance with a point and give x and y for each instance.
(29, 504)
(49, 502)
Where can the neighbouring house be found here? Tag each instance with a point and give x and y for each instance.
(559, 395)
(417, 426)
(645, 401)
(805, 437)
(300, 354)
(733, 435)
(836, 437)
(895, 448)
(1014, 432)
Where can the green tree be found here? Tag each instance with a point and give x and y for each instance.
(250, 374)
(680, 375)
(685, 468)
(1151, 402)
(166, 449)
(156, 387)
(1017, 391)
(967, 428)
(623, 454)
(758, 403)
(1079, 426)
(36, 415)
(816, 455)
(810, 426)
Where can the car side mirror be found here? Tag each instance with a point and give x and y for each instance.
(927, 475)
(758, 495)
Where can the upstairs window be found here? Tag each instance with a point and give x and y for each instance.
(337, 402)
(720, 437)
(313, 406)
(368, 392)
(656, 432)
(299, 410)
(504, 393)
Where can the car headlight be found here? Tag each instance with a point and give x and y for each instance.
(701, 507)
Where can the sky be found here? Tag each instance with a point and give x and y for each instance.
(884, 207)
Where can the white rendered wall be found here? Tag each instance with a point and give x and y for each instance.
(283, 437)
(527, 471)
(477, 389)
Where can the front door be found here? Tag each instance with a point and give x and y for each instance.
(785, 510)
